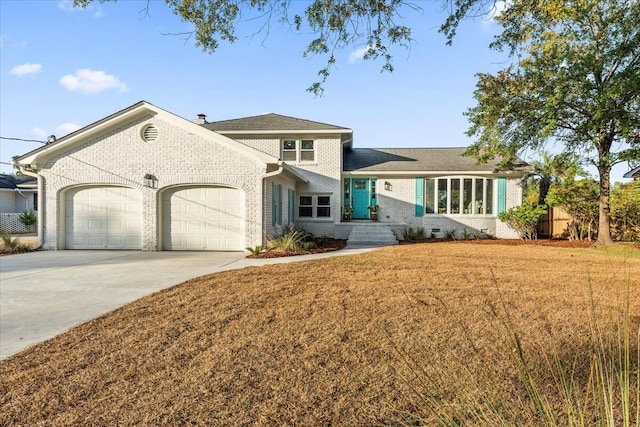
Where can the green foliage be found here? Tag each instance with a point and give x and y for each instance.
(308, 245)
(334, 25)
(580, 199)
(625, 211)
(28, 218)
(13, 244)
(450, 234)
(291, 240)
(466, 235)
(410, 234)
(255, 251)
(574, 79)
(523, 219)
(548, 170)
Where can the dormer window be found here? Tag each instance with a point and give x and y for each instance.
(298, 150)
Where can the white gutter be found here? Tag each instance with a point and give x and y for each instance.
(41, 205)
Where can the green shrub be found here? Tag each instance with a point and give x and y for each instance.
(255, 251)
(523, 219)
(290, 240)
(28, 218)
(13, 244)
(625, 211)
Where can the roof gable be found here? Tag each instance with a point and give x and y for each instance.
(39, 156)
(271, 123)
(415, 160)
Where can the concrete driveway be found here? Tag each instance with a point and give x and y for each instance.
(46, 293)
(43, 294)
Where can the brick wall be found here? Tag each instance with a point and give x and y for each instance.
(177, 158)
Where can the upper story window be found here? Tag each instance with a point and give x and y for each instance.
(298, 150)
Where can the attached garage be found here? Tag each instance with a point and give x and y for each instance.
(103, 218)
(206, 218)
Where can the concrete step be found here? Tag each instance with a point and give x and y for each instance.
(371, 235)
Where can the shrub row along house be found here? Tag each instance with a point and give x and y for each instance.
(144, 178)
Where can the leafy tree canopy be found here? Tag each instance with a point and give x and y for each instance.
(335, 25)
(574, 80)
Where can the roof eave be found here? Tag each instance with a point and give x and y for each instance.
(284, 132)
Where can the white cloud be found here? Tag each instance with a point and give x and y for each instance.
(39, 132)
(66, 5)
(21, 70)
(359, 54)
(91, 81)
(66, 128)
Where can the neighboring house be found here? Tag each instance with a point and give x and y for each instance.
(633, 173)
(18, 193)
(144, 178)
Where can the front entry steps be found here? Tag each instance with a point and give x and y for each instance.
(372, 234)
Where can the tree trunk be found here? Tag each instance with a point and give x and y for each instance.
(604, 226)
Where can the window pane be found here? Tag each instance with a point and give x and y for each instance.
(489, 200)
(306, 200)
(307, 144)
(455, 196)
(305, 211)
(289, 156)
(429, 195)
(307, 156)
(324, 211)
(467, 193)
(288, 145)
(360, 184)
(479, 196)
(442, 196)
(324, 200)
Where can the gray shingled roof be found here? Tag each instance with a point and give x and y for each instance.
(13, 181)
(633, 173)
(269, 122)
(413, 160)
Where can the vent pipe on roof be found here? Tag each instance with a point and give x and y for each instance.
(201, 120)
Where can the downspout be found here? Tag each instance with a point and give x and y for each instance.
(41, 207)
(264, 192)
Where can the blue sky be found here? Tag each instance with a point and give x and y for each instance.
(63, 68)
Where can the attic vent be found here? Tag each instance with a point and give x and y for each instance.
(150, 133)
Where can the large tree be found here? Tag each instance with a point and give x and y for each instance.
(333, 25)
(574, 81)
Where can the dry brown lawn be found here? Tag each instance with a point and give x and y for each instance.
(327, 342)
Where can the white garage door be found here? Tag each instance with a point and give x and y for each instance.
(203, 219)
(103, 218)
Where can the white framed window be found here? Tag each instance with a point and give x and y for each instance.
(459, 196)
(314, 206)
(290, 150)
(298, 150)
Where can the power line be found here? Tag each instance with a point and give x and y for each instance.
(23, 140)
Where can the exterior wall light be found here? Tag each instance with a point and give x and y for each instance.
(150, 181)
(388, 186)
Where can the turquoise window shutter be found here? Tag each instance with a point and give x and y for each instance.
(279, 204)
(289, 200)
(274, 212)
(502, 195)
(419, 196)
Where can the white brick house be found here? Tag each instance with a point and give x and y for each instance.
(144, 178)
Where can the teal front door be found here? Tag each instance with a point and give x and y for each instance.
(360, 194)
